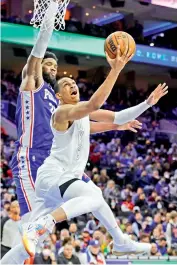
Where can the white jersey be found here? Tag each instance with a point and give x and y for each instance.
(70, 150)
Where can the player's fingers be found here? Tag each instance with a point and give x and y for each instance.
(137, 125)
(118, 52)
(128, 55)
(162, 92)
(125, 52)
(165, 93)
(161, 87)
(137, 122)
(133, 130)
(131, 57)
(165, 89)
(164, 84)
(158, 87)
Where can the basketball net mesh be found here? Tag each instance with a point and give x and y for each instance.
(40, 7)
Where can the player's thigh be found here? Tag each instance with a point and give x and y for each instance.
(80, 189)
(47, 188)
(94, 187)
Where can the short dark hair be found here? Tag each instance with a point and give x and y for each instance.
(57, 84)
(50, 55)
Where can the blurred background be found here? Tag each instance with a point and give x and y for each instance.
(136, 172)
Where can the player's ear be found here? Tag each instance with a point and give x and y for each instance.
(58, 95)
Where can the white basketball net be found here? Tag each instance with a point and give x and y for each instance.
(40, 7)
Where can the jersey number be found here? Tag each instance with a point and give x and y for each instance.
(52, 108)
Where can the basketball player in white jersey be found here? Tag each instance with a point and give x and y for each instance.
(60, 191)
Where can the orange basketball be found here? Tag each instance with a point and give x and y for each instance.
(122, 38)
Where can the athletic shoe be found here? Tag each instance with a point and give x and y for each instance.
(131, 247)
(31, 232)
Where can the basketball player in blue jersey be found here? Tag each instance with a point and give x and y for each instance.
(35, 104)
(61, 193)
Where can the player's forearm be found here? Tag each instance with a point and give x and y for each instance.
(130, 114)
(103, 92)
(119, 117)
(98, 127)
(45, 32)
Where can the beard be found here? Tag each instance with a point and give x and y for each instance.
(49, 79)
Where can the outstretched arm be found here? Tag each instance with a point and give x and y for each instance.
(32, 72)
(132, 113)
(98, 127)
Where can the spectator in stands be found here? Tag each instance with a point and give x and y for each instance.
(91, 225)
(154, 250)
(45, 257)
(111, 192)
(127, 205)
(162, 246)
(141, 202)
(106, 249)
(129, 231)
(98, 235)
(173, 186)
(86, 239)
(127, 191)
(81, 256)
(136, 195)
(137, 225)
(131, 217)
(171, 232)
(73, 231)
(94, 255)
(6, 209)
(9, 229)
(67, 240)
(145, 238)
(67, 256)
(157, 220)
(162, 188)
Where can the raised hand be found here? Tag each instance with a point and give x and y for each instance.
(120, 61)
(159, 92)
(131, 126)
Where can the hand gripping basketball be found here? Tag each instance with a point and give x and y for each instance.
(120, 61)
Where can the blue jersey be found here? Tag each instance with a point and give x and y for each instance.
(33, 113)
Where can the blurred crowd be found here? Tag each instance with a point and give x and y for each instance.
(137, 174)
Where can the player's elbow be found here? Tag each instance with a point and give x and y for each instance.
(94, 105)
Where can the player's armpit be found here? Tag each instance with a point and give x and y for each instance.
(70, 112)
